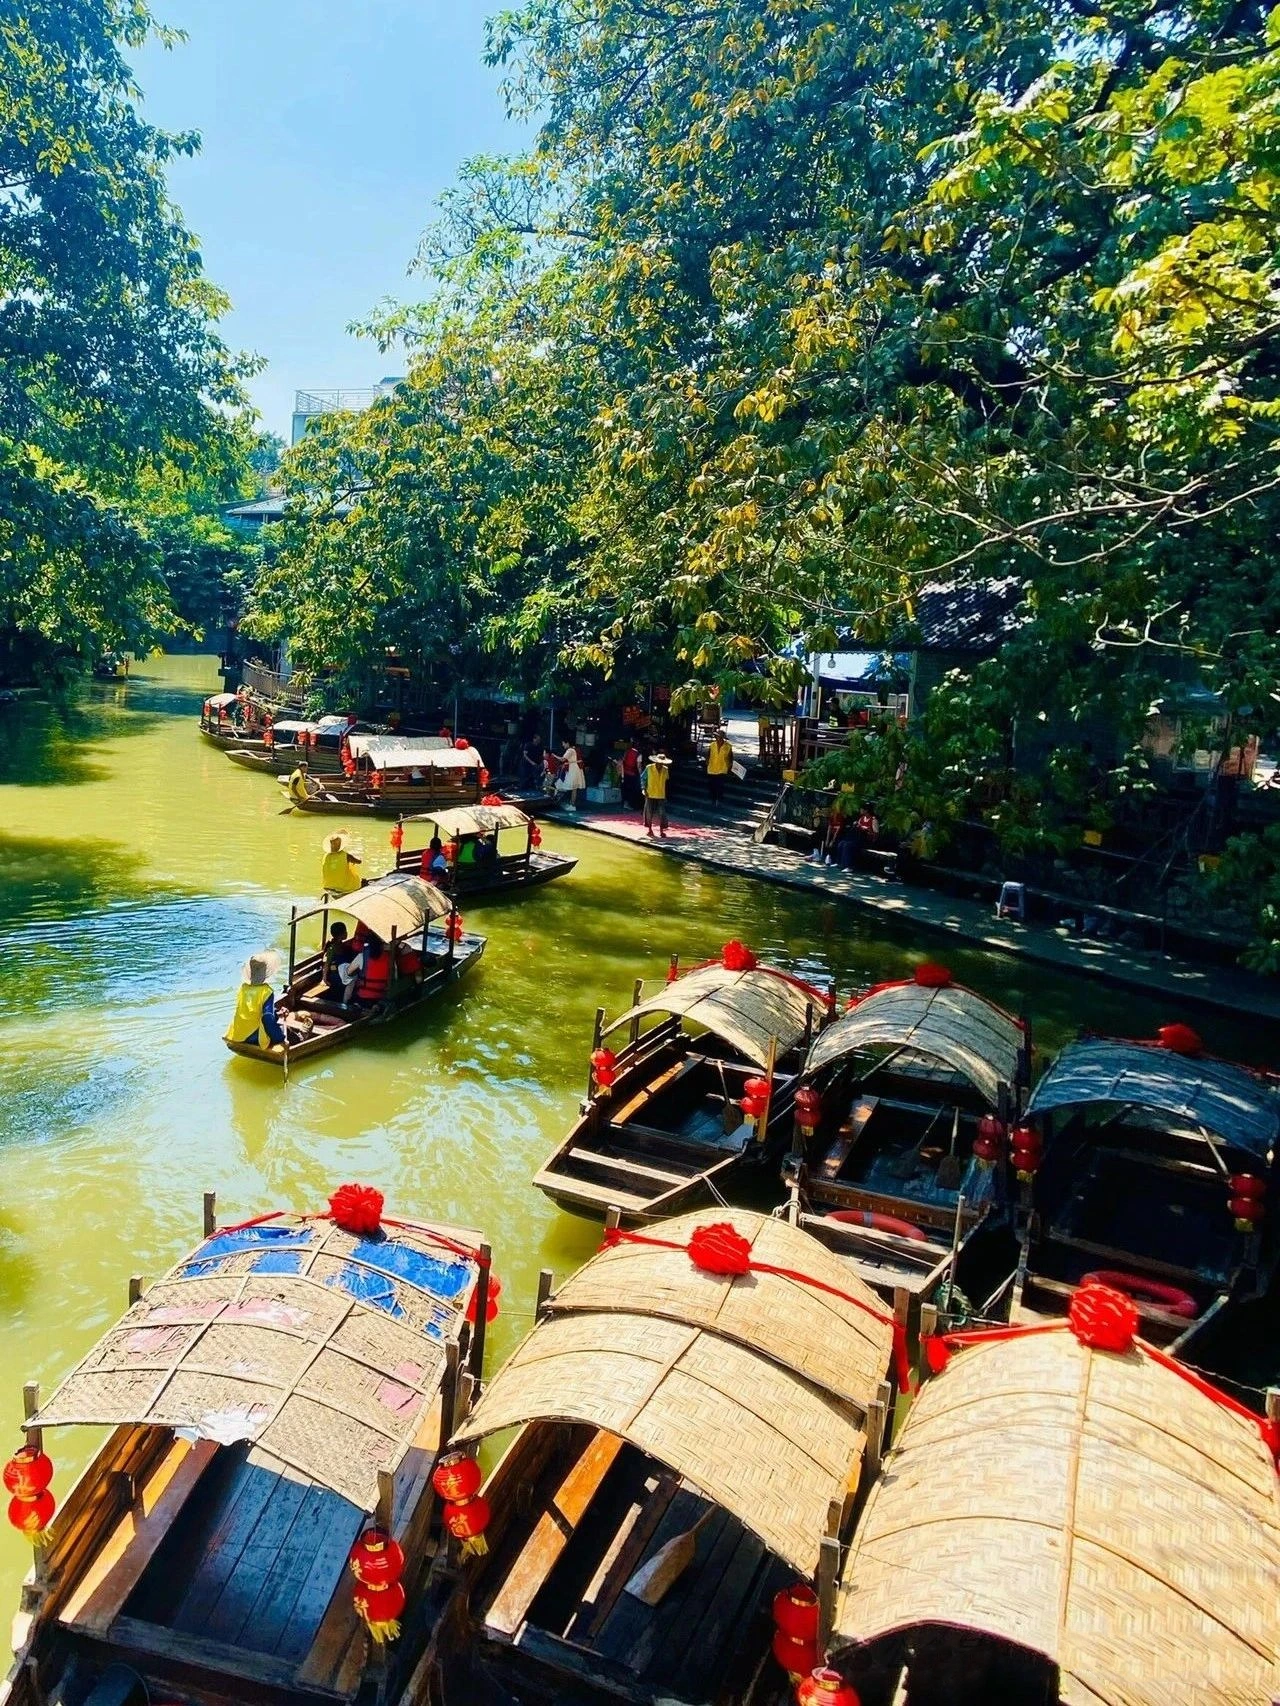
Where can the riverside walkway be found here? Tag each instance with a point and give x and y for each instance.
(724, 849)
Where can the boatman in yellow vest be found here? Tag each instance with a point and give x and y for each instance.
(340, 873)
(653, 785)
(719, 762)
(254, 1020)
(299, 787)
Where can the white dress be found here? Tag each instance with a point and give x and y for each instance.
(574, 775)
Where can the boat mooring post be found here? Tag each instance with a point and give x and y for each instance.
(476, 1361)
(612, 1218)
(449, 1386)
(546, 1280)
(210, 1217)
(135, 1288)
(293, 939)
(386, 1500)
(828, 1570)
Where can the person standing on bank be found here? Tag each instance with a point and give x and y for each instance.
(719, 763)
(631, 795)
(653, 785)
(573, 778)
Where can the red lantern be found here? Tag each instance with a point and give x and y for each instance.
(796, 1656)
(381, 1609)
(808, 1110)
(376, 1559)
(1247, 1185)
(1027, 1150)
(535, 836)
(490, 1305)
(757, 1088)
(826, 1687)
(466, 1520)
(795, 1612)
(457, 1477)
(484, 777)
(1246, 1212)
(604, 1067)
(455, 929)
(357, 1209)
(397, 838)
(32, 1516)
(988, 1146)
(753, 1108)
(27, 1473)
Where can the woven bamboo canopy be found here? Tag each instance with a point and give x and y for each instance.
(1092, 1507)
(754, 1387)
(953, 1025)
(471, 820)
(747, 1008)
(1211, 1094)
(324, 1348)
(413, 752)
(398, 903)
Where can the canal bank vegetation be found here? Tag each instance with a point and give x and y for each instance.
(122, 420)
(789, 315)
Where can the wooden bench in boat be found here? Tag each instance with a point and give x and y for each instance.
(839, 1151)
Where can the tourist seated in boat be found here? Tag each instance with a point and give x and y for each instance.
(376, 969)
(254, 1020)
(484, 850)
(340, 872)
(340, 955)
(435, 867)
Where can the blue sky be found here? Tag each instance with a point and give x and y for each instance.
(329, 128)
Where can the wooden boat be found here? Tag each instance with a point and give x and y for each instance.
(663, 1124)
(421, 927)
(400, 775)
(286, 746)
(897, 1092)
(282, 1387)
(1064, 1526)
(520, 862)
(233, 720)
(1151, 1159)
(657, 1400)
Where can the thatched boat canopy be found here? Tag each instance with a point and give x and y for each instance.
(413, 752)
(325, 1349)
(952, 1025)
(748, 1009)
(399, 903)
(471, 820)
(1092, 1508)
(291, 726)
(754, 1387)
(1213, 1095)
(220, 701)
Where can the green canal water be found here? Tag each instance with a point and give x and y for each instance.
(138, 868)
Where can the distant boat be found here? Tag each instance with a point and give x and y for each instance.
(519, 861)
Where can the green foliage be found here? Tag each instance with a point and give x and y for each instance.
(1248, 876)
(112, 378)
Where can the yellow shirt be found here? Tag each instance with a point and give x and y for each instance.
(340, 873)
(654, 781)
(719, 758)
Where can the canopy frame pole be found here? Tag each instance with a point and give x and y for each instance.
(476, 1360)
(210, 1213)
(596, 1034)
(636, 992)
(762, 1130)
(293, 940)
(528, 844)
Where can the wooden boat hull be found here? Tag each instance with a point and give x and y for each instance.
(471, 883)
(231, 740)
(332, 1028)
(269, 760)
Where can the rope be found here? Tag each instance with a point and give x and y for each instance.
(436, 1238)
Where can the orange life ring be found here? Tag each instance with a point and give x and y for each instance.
(1171, 1298)
(878, 1222)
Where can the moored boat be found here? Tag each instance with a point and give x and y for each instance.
(704, 1090)
(1154, 1165)
(518, 860)
(281, 1392)
(428, 949)
(697, 1408)
(283, 742)
(399, 775)
(234, 720)
(1069, 1525)
(902, 1112)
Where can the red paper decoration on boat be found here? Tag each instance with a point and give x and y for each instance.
(376, 1559)
(456, 1477)
(1102, 1317)
(357, 1209)
(988, 1146)
(755, 1098)
(489, 799)
(826, 1687)
(1180, 1039)
(28, 1472)
(1247, 1185)
(795, 1612)
(466, 1520)
(454, 928)
(808, 1110)
(937, 1353)
(929, 975)
(381, 1609)
(1026, 1151)
(490, 1302)
(719, 1248)
(604, 1067)
(483, 777)
(535, 835)
(735, 956)
(32, 1516)
(796, 1656)
(461, 744)
(397, 838)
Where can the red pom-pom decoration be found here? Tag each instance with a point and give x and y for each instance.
(483, 777)
(824, 1687)
(1180, 1039)
(490, 1303)
(1103, 1318)
(455, 929)
(736, 957)
(28, 1472)
(719, 1248)
(535, 836)
(930, 975)
(457, 1476)
(491, 799)
(937, 1352)
(357, 1209)
(462, 744)
(795, 1612)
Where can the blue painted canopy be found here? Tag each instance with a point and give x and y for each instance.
(1226, 1101)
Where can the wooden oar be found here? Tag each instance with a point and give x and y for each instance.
(950, 1170)
(654, 1579)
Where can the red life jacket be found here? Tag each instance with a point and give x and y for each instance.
(375, 975)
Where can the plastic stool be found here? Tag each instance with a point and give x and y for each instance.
(1012, 902)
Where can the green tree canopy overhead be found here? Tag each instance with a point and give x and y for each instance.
(113, 380)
